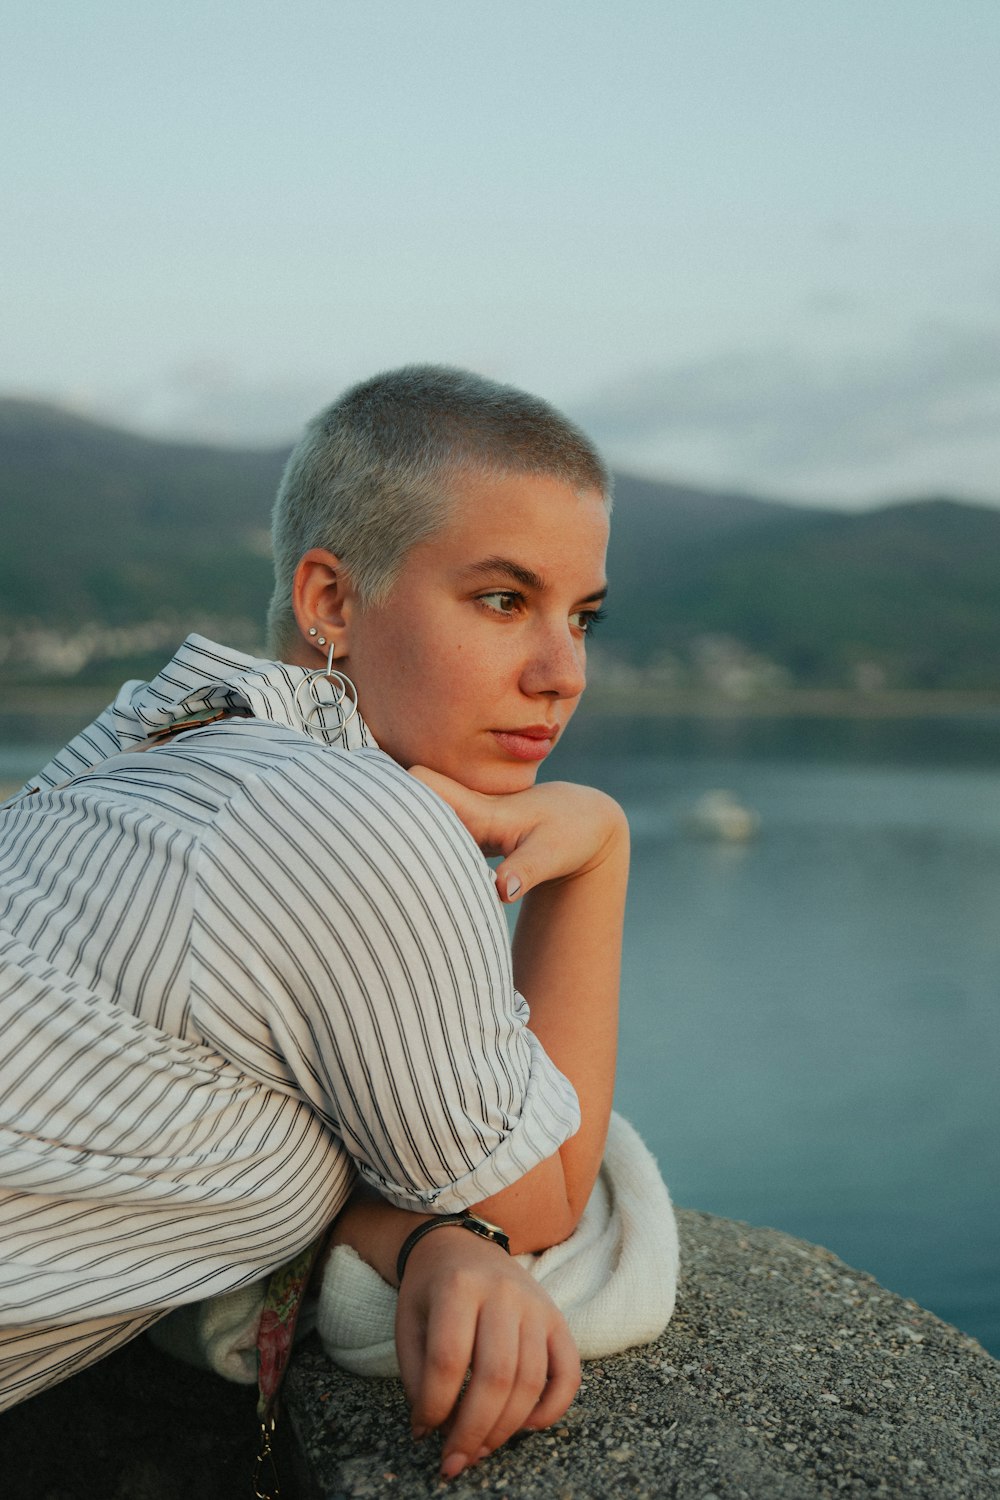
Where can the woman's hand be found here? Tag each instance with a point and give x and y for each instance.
(554, 831)
(466, 1307)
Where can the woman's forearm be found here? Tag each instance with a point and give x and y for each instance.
(566, 847)
(567, 963)
(376, 1229)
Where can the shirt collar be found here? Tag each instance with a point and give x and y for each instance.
(203, 675)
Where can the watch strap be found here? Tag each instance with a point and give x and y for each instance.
(471, 1222)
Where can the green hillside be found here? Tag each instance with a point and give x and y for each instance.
(911, 589)
(115, 544)
(105, 525)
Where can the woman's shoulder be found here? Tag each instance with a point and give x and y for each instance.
(273, 751)
(349, 832)
(311, 791)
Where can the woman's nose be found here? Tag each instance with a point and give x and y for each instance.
(557, 667)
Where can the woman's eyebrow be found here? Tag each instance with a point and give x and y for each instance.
(493, 567)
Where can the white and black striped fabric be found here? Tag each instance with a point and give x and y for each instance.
(235, 970)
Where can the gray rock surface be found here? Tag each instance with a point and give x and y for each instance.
(784, 1375)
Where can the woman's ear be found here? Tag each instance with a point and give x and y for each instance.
(323, 601)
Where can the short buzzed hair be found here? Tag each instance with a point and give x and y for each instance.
(374, 473)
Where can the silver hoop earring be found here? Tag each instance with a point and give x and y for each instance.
(312, 706)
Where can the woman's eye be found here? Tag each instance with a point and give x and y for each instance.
(587, 619)
(503, 602)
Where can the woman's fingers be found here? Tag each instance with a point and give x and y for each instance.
(527, 1387)
(547, 832)
(539, 1378)
(520, 826)
(498, 822)
(468, 1310)
(410, 1334)
(493, 1374)
(508, 1375)
(563, 1382)
(517, 875)
(434, 1344)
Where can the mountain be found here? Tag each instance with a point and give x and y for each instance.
(908, 593)
(105, 525)
(120, 542)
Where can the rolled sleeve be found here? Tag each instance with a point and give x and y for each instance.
(550, 1114)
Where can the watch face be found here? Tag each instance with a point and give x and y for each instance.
(494, 1229)
(488, 1231)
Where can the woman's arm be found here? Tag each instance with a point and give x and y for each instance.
(566, 853)
(464, 1306)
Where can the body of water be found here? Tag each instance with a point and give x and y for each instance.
(810, 1023)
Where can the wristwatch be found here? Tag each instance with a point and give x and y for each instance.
(475, 1225)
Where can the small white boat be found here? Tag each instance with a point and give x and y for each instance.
(719, 815)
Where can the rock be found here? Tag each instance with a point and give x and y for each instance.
(784, 1375)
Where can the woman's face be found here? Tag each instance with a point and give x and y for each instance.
(475, 663)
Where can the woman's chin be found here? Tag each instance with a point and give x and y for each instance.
(493, 778)
(500, 780)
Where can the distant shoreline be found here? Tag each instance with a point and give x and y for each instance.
(85, 702)
(72, 707)
(817, 703)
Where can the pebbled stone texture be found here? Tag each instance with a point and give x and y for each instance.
(784, 1375)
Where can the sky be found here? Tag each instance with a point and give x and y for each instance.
(748, 244)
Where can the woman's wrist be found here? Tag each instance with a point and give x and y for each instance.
(376, 1230)
(470, 1223)
(610, 834)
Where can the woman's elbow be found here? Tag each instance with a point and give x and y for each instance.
(536, 1212)
(542, 1234)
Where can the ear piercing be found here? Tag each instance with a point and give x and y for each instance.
(344, 701)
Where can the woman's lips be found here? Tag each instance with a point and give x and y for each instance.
(527, 744)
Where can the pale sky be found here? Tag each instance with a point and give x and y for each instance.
(747, 242)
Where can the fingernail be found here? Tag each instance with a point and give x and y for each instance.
(453, 1465)
(483, 1453)
(418, 1433)
(513, 886)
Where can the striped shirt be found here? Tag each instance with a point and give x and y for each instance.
(236, 970)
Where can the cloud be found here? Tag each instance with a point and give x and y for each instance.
(926, 411)
(210, 401)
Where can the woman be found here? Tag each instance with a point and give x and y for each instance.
(265, 953)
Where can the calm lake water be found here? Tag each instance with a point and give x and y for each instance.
(811, 1030)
